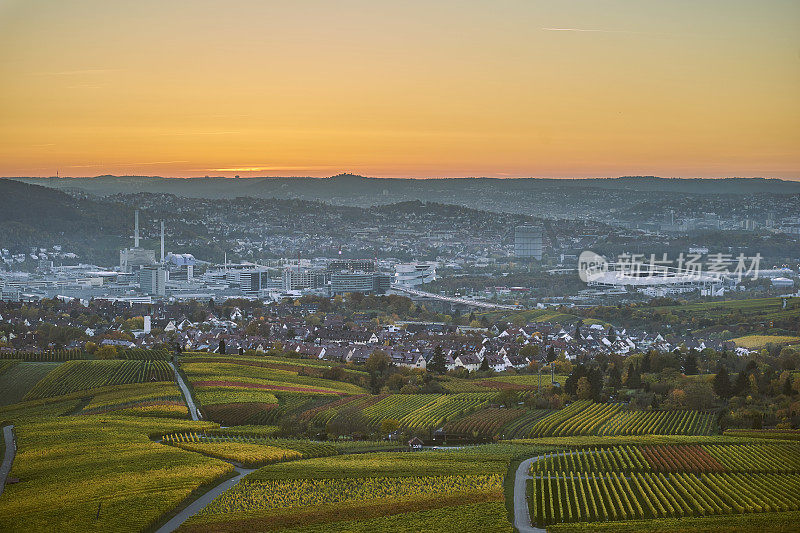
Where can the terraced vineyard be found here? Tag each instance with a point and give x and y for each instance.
(484, 423)
(250, 377)
(252, 496)
(5, 365)
(306, 449)
(566, 497)
(74, 376)
(765, 458)
(396, 406)
(47, 356)
(457, 490)
(629, 482)
(782, 434)
(445, 408)
(659, 423)
(580, 418)
(522, 426)
(323, 414)
(20, 377)
(146, 399)
(143, 354)
(587, 418)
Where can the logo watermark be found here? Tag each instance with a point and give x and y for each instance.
(685, 267)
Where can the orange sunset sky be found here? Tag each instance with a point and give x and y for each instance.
(400, 89)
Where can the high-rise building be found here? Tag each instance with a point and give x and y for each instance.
(344, 282)
(528, 242)
(298, 278)
(363, 282)
(381, 283)
(255, 281)
(153, 280)
(352, 265)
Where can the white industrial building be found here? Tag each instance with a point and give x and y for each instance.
(413, 274)
(658, 280)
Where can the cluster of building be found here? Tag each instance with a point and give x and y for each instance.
(143, 277)
(40, 257)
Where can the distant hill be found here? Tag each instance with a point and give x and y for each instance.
(352, 189)
(32, 215)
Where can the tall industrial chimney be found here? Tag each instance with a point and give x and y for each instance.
(136, 230)
(162, 241)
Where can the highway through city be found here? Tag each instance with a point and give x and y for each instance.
(451, 299)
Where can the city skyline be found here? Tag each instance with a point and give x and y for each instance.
(579, 89)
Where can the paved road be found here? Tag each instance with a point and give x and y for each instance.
(11, 450)
(522, 516)
(197, 505)
(522, 513)
(186, 394)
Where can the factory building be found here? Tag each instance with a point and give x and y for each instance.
(131, 259)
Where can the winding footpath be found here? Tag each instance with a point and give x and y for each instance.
(200, 503)
(8, 459)
(186, 394)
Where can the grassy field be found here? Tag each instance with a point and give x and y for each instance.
(762, 308)
(72, 468)
(210, 374)
(485, 516)
(755, 342)
(246, 454)
(18, 380)
(532, 315)
(364, 492)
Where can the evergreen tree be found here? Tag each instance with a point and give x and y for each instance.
(722, 383)
(485, 364)
(438, 363)
(787, 386)
(614, 378)
(611, 334)
(571, 384)
(634, 378)
(551, 354)
(741, 383)
(690, 363)
(595, 377)
(646, 363)
(222, 346)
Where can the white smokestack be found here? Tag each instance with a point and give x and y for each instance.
(136, 230)
(162, 241)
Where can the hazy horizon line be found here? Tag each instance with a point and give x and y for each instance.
(410, 177)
